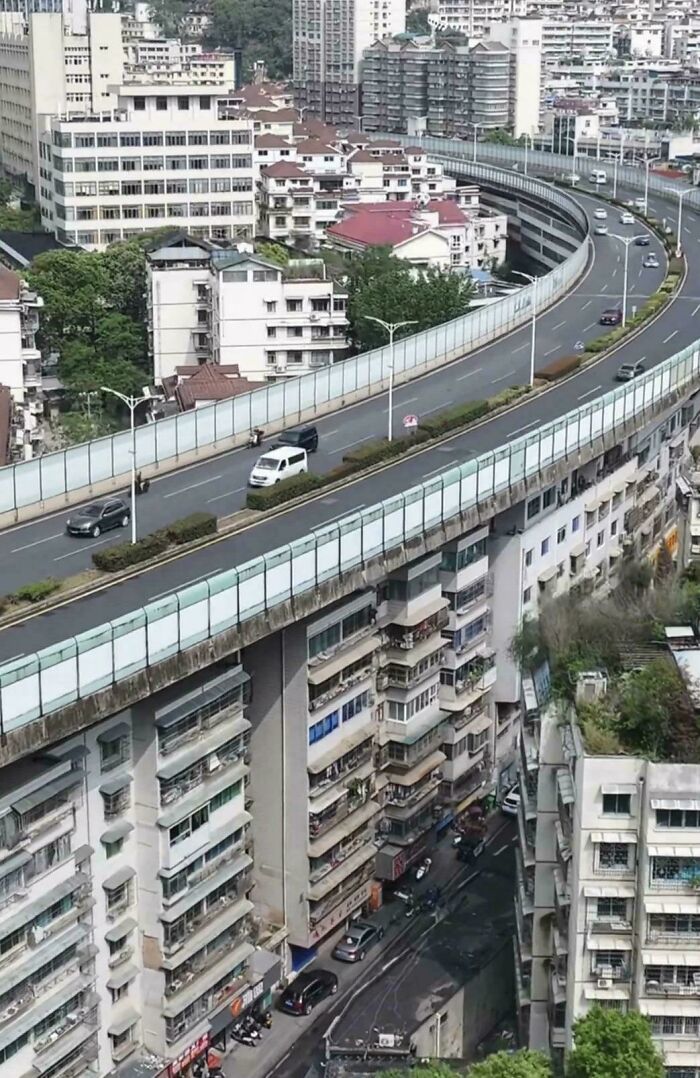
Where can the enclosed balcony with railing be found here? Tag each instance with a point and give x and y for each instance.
(674, 929)
(194, 718)
(225, 902)
(673, 873)
(669, 981)
(339, 803)
(324, 774)
(323, 863)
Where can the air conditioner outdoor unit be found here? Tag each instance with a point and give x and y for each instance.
(605, 982)
(213, 762)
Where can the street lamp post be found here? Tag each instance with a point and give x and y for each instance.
(132, 404)
(681, 195)
(390, 328)
(533, 323)
(532, 147)
(647, 162)
(627, 240)
(476, 131)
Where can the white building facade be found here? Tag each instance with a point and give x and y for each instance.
(170, 156)
(235, 308)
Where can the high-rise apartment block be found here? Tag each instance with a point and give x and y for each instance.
(329, 39)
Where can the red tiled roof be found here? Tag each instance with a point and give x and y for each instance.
(314, 145)
(190, 369)
(281, 116)
(9, 284)
(380, 224)
(282, 169)
(316, 129)
(269, 141)
(210, 383)
(413, 150)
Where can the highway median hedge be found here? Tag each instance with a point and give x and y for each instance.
(284, 491)
(559, 367)
(124, 555)
(195, 526)
(453, 418)
(34, 593)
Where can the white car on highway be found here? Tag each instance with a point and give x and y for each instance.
(600, 214)
(626, 218)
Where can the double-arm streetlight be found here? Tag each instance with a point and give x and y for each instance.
(681, 194)
(390, 328)
(533, 321)
(132, 404)
(627, 240)
(532, 147)
(647, 162)
(476, 131)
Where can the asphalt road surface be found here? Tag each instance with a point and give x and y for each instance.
(29, 552)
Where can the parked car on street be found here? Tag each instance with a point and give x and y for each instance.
(511, 802)
(611, 317)
(628, 371)
(357, 941)
(307, 990)
(99, 517)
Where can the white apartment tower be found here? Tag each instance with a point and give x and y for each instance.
(523, 37)
(53, 64)
(329, 38)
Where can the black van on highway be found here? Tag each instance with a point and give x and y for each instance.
(300, 437)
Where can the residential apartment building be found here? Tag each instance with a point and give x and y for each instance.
(49, 65)
(20, 365)
(523, 39)
(125, 911)
(175, 156)
(233, 308)
(571, 39)
(438, 233)
(473, 17)
(329, 38)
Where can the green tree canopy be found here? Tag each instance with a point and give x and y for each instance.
(170, 16)
(610, 1044)
(261, 29)
(648, 700)
(383, 286)
(523, 1064)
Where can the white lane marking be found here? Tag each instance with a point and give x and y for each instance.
(588, 393)
(670, 337)
(462, 377)
(503, 376)
(590, 326)
(37, 542)
(520, 348)
(559, 325)
(614, 273)
(171, 591)
(512, 434)
(586, 304)
(693, 313)
(192, 486)
(345, 513)
(556, 346)
(342, 448)
(226, 494)
(502, 850)
(329, 433)
(686, 229)
(442, 468)
(81, 548)
(410, 400)
(603, 287)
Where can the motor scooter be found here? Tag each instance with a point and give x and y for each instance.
(256, 437)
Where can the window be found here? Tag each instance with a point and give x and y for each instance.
(611, 909)
(677, 818)
(175, 138)
(270, 306)
(322, 729)
(533, 507)
(561, 535)
(528, 558)
(617, 804)
(225, 796)
(198, 138)
(119, 898)
(355, 706)
(271, 332)
(130, 140)
(205, 103)
(183, 104)
(180, 831)
(544, 546)
(548, 498)
(264, 275)
(527, 595)
(600, 539)
(575, 524)
(294, 305)
(152, 139)
(113, 751)
(113, 848)
(161, 104)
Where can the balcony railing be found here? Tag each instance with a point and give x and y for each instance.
(319, 910)
(687, 939)
(341, 855)
(195, 967)
(670, 991)
(619, 872)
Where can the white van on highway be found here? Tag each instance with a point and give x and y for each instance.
(276, 464)
(598, 176)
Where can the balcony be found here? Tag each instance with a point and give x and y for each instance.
(401, 800)
(324, 818)
(340, 854)
(672, 991)
(342, 768)
(217, 917)
(188, 972)
(341, 884)
(118, 957)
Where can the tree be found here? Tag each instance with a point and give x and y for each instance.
(425, 1070)
(261, 29)
(523, 1064)
(649, 698)
(500, 137)
(170, 16)
(383, 286)
(610, 1044)
(74, 288)
(417, 21)
(664, 567)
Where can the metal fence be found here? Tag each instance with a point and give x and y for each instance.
(59, 675)
(296, 399)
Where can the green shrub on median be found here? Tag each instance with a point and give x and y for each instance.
(195, 526)
(559, 367)
(364, 456)
(125, 554)
(284, 491)
(453, 418)
(34, 593)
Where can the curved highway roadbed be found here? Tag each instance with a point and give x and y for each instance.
(40, 548)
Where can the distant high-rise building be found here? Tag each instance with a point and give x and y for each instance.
(329, 39)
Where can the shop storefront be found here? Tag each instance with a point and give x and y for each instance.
(257, 996)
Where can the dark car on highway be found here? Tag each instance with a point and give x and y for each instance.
(611, 317)
(300, 438)
(99, 517)
(642, 241)
(308, 989)
(356, 942)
